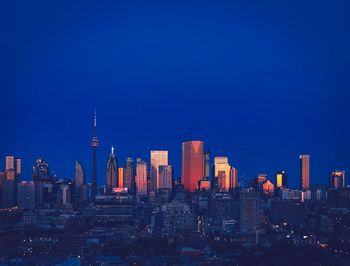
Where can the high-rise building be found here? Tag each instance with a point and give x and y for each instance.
(79, 174)
(81, 188)
(64, 195)
(268, 188)
(8, 194)
(129, 175)
(111, 173)
(10, 167)
(248, 211)
(304, 172)
(159, 157)
(26, 195)
(18, 168)
(121, 177)
(281, 180)
(141, 177)
(41, 171)
(206, 164)
(192, 164)
(165, 177)
(94, 144)
(234, 178)
(222, 173)
(337, 179)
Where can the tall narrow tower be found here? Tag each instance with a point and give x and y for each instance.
(94, 144)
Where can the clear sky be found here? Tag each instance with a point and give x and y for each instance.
(258, 81)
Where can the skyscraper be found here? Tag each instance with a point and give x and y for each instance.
(304, 172)
(41, 171)
(234, 178)
(222, 173)
(121, 177)
(18, 168)
(111, 173)
(192, 164)
(79, 174)
(129, 175)
(81, 187)
(337, 179)
(141, 177)
(281, 179)
(207, 164)
(157, 158)
(248, 210)
(165, 177)
(10, 167)
(94, 144)
(26, 195)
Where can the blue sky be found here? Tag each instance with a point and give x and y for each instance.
(258, 81)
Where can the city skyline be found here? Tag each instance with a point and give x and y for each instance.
(174, 133)
(258, 95)
(102, 179)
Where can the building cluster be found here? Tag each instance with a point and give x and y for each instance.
(141, 202)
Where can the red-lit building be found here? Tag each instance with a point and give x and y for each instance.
(304, 172)
(234, 178)
(192, 164)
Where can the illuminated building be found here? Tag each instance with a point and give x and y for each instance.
(192, 164)
(165, 177)
(206, 164)
(121, 177)
(141, 177)
(281, 180)
(41, 171)
(268, 188)
(204, 183)
(337, 179)
(10, 167)
(157, 158)
(234, 178)
(304, 172)
(111, 173)
(94, 144)
(129, 175)
(222, 172)
(262, 178)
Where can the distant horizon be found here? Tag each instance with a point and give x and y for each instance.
(258, 83)
(295, 184)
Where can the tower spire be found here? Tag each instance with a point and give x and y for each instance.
(95, 122)
(94, 144)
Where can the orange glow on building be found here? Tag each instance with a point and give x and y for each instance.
(234, 178)
(268, 188)
(121, 177)
(222, 173)
(337, 179)
(192, 164)
(278, 180)
(141, 177)
(305, 172)
(204, 184)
